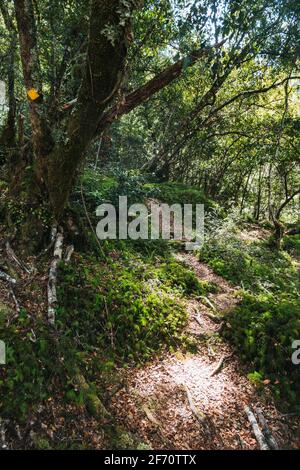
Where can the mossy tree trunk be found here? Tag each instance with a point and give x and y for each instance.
(279, 227)
(54, 165)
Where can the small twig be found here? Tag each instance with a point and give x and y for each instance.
(17, 305)
(33, 337)
(219, 366)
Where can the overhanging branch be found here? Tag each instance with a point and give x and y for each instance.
(160, 81)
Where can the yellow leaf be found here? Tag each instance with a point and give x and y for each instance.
(33, 94)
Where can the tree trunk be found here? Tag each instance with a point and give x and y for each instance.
(45, 170)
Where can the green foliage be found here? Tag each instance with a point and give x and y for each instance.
(263, 328)
(120, 307)
(251, 265)
(98, 188)
(36, 363)
(292, 244)
(122, 310)
(267, 320)
(176, 275)
(177, 193)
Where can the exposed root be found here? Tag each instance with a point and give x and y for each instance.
(256, 430)
(219, 366)
(13, 295)
(5, 277)
(51, 289)
(214, 318)
(92, 402)
(69, 253)
(201, 417)
(3, 443)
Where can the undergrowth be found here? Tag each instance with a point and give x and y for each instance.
(266, 322)
(114, 311)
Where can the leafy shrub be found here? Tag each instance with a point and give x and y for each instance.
(178, 193)
(35, 363)
(176, 275)
(267, 321)
(263, 328)
(292, 244)
(253, 266)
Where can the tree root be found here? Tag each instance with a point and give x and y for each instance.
(51, 288)
(219, 366)
(262, 442)
(199, 415)
(5, 277)
(13, 295)
(93, 404)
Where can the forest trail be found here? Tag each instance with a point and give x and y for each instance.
(197, 401)
(180, 401)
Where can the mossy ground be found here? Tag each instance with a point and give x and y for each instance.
(125, 303)
(266, 322)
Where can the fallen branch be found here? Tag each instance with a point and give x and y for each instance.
(13, 257)
(266, 430)
(13, 295)
(201, 417)
(151, 416)
(5, 277)
(51, 288)
(256, 430)
(214, 318)
(219, 366)
(207, 301)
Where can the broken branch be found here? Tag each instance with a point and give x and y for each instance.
(256, 430)
(266, 430)
(219, 366)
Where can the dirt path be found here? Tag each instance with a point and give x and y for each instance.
(160, 401)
